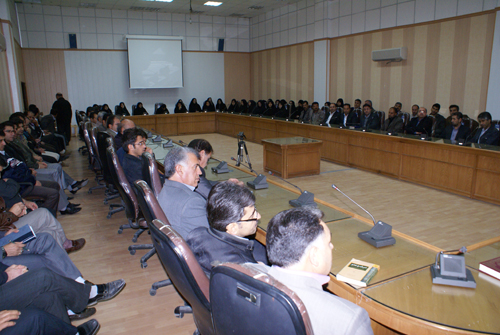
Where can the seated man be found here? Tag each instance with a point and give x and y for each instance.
(184, 208)
(299, 247)
(422, 124)
(232, 217)
(456, 130)
(134, 144)
(122, 126)
(316, 115)
(439, 122)
(101, 120)
(394, 123)
(414, 111)
(347, 118)
(112, 123)
(487, 133)
(369, 119)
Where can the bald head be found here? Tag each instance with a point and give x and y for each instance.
(125, 124)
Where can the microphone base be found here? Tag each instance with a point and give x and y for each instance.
(306, 199)
(376, 242)
(169, 144)
(221, 168)
(438, 279)
(258, 183)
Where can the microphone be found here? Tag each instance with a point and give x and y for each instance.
(381, 233)
(345, 195)
(286, 181)
(259, 183)
(451, 270)
(462, 250)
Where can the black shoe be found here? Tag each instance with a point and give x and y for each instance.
(90, 327)
(107, 291)
(70, 198)
(87, 312)
(80, 183)
(75, 189)
(70, 211)
(70, 205)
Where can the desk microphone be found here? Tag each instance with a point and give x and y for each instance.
(381, 233)
(462, 250)
(305, 199)
(345, 195)
(451, 269)
(260, 182)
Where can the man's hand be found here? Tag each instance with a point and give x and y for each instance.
(14, 248)
(38, 158)
(19, 209)
(7, 317)
(42, 165)
(38, 183)
(30, 204)
(148, 149)
(33, 172)
(236, 181)
(15, 271)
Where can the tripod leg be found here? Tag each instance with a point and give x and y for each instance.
(248, 157)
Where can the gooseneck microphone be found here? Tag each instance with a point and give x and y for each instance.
(286, 181)
(345, 195)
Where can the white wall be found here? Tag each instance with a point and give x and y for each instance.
(321, 70)
(50, 26)
(308, 20)
(102, 77)
(493, 100)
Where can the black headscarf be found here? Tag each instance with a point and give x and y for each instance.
(140, 110)
(221, 106)
(122, 110)
(162, 109)
(194, 106)
(233, 107)
(181, 109)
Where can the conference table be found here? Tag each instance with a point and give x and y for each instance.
(464, 170)
(401, 297)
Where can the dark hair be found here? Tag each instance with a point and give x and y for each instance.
(347, 104)
(367, 105)
(459, 115)
(201, 145)
(484, 116)
(455, 106)
(7, 124)
(130, 135)
(341, 101)
(371, 103)
(53, 111)
(33, 108)
(305, 102)
(110, 120)
(105, 116)
(226, 204)
(17, 120)
(290, 232)
(399, 103)
(92, 114)
(358, 100)
(418, 107)
(2, 134)
(437, 105)
(175, 157)
(17, 115)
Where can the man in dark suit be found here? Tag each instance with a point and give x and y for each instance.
(439, 123)
(369, 119)
(487, 133)
(456, 130)
(232, 217)
(134, 144)
(394, 123)
(64, 116)
(347, 118)
(422, 124)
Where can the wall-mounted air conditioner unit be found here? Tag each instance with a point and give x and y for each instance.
(389, 55)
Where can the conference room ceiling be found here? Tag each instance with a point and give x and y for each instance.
(234, 8)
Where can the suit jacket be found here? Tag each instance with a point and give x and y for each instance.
(463, 132)
(204, 186)
(185, 209)
(439, 126)
(352, 119)
(64, 114)
(132, 167)
(424, 126)
(211, 245)
(328, 313)
(394, 126)
(48, 123)
(489, 137)
(373, 121)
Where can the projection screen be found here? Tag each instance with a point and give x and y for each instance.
(154, 62)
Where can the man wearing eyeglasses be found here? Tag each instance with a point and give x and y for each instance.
(233, 218)
(134, 145)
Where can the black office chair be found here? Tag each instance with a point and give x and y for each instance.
(93, 162)
(150, 173)
(151, 210)
(133, 108)
(129, 199)
(246, 301)
(185, 273)
(103, 141)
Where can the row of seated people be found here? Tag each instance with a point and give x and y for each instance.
(43, 291)
(219, 221)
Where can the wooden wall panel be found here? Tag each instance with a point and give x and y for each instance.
(448, 62)
(6, 107)
(236, 76)
(45, 74)
(283, 73)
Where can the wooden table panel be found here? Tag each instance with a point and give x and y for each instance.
(439, 152)
(374, 142)
(196, 123)
(375, 160)
(167, 125)
(489, 163)
(447, 176)
(487, 186)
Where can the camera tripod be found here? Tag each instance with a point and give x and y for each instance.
(242, 150)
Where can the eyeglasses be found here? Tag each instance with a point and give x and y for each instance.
(250, 220)
(141, 143)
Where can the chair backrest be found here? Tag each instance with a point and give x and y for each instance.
(102, 145)
(133, 108)
(148, 203)
(116, 108)
(381, 115)
(150, 172)
(185, 273)
(93, 141)
(474, 125)
(246, 301)
(87, 130)
(120, 180)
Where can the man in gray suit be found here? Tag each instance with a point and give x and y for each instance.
(299, 247)
(184, 208)
(394, 123)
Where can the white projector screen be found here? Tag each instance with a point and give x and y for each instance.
(154, 63)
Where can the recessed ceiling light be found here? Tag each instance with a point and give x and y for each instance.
(212, 3)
